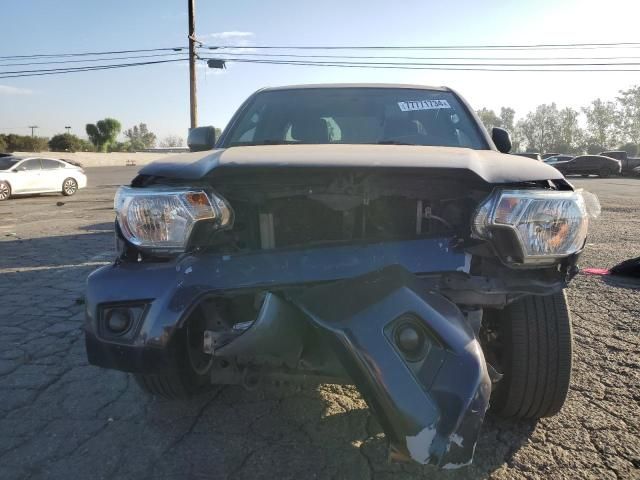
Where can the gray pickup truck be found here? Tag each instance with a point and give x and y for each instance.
(367, 234)
(630, 165)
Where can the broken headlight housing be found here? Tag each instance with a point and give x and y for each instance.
(161, 219)
(533, 226)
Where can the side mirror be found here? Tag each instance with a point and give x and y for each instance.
(201, 139)
(501, 139)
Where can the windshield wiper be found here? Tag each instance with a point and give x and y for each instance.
(393, 142)
(273, 142)
(263, 142)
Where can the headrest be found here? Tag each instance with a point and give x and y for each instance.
(310, 130)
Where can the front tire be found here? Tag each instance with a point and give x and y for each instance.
(5, 191)
(190, 377)
(604, 172)
(536, 349)
(175, 385)
(69, 187)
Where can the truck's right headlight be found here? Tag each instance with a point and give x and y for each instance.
(533, 226)
(161, 219)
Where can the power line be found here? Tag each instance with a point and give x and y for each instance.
(81, 54)
(89, 67)
(505, 64)
(465, 64)
(306, 61)
(399, 66)
(541, 46)
(56, 71)
(394, 57)
(58, 62)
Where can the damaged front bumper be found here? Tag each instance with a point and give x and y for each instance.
(377, 309)
(413, 357)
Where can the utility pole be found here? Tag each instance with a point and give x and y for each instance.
(67, 128)
(32, 127)
(192, 65)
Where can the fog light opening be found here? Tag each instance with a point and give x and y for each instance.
(410, 339)
(119, 320)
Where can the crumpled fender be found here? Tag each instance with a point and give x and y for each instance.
(430, 401)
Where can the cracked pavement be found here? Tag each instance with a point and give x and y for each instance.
(59, 416)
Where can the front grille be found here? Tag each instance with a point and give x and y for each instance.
(287, 209)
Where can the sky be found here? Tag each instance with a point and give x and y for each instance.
(158, 95)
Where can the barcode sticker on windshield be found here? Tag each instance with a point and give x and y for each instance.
(423, 105)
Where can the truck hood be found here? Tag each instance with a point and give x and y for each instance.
(491, 166)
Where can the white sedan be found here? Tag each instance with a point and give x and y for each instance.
(26, 175)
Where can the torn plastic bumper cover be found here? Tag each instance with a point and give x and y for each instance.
(413, 357)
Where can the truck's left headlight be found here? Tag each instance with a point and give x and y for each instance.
(533, 226)
(162, 218)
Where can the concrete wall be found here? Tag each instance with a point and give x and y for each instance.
(92, 159)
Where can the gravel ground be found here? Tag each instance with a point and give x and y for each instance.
(61, 417)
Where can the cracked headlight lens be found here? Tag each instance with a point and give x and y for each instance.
(546, 224)
(162, 218)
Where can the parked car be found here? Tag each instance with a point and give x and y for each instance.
(544, 156)
(630, 165)
(367, 234)
(535, 156)
(586, 165)
(28, 175)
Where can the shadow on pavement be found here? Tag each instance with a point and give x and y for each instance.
(103, 227)
(307, 432)
(622, 282)
(65, 250)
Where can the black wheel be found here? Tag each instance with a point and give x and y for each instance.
(191, 375)
(5, 191)
(604, 172)
(69, 187)
(533, 349)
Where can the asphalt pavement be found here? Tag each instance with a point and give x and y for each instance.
(62, 418)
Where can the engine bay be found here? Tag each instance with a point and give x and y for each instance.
(292, 209)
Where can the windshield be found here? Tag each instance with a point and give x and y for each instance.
(355, 116)
(7, 162)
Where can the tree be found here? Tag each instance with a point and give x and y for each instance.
(594, 149)
(140, 137)
(103, 133)
(630, 148)
(507, 118)
(489, 119)
(507, 121)
(3, 144)
(172, 141)
(539, 129)
(24, 143)
(629, 101)
(121, 147)
(67, 142)
(36, 144)
(602, 124)
(570, 136)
